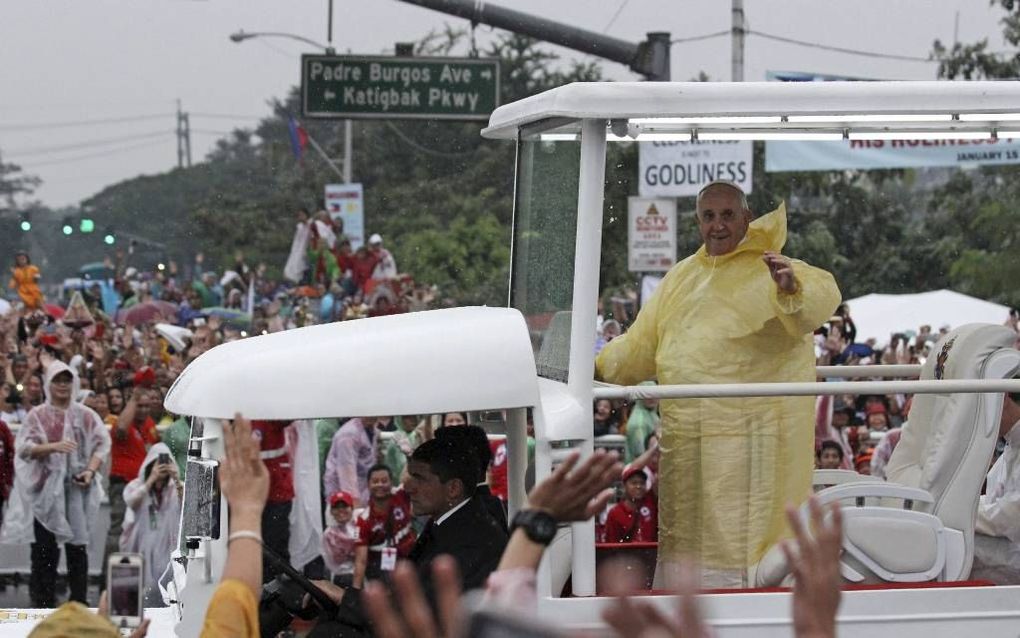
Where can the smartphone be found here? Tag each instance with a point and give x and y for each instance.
(125, 575)
(163, 458)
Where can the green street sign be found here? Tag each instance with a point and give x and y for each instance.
(362, 86)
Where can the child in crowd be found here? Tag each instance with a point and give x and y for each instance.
(635, 519)
(339, 538)
(830, 456)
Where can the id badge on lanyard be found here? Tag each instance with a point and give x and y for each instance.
(389, 559)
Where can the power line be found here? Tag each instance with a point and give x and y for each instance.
(34, 126)
(45, 150)
(827, 47)
(616, 15)
(205, 131)
(696, 38)
(113, 151)
(423, 149)
(227, 116)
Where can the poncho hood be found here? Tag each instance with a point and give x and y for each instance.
(767, 232)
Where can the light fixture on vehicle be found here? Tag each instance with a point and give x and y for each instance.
(905, 117)
(722, 120)
(989, 117)
(920, 135)
(729, 136)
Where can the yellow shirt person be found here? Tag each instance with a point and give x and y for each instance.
(735, 311)
(25, 277)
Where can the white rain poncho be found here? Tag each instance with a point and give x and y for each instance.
(305, 512)
(297, 260)
(151, 520)
(728, 466)
(43, 488)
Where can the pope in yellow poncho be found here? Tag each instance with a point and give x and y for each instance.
(735, 311)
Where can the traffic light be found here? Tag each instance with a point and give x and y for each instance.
(109, 238)
(26, 222)
(86, 225)
(68, 227)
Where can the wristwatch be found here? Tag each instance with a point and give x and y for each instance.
(538, 525)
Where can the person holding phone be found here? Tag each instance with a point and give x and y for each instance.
(151, 524)
(56, 496)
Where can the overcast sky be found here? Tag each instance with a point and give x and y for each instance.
(69, 61)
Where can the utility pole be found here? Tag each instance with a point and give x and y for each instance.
(180, 136)
(183, 138)
(737, 14)
(348, 151)
(649, 58)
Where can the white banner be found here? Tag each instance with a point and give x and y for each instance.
(872, 154)
(651, 234)
(681, 169)
(347, 203)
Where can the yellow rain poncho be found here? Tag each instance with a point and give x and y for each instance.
(728, 466)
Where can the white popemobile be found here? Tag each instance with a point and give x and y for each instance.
(917, 529)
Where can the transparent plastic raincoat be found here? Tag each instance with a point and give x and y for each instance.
(43, 488)
(728, 466)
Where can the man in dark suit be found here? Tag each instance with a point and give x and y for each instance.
(442, 477)
(479, 442)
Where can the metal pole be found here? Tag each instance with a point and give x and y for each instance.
(854, 372)
(348, 151)
(737, 15)
(180, 137)
(804, 389)
(587, 251)
(329, 25)
(554, 32)
(322, 153)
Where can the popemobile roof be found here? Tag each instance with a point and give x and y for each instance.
(459, 359)
(614, 100)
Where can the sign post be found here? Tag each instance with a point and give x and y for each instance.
(360, 86)
(651, 234)
(346, 202)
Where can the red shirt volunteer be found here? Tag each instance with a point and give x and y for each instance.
(273, 443)
(497, 475)
(638, 525)
(128, 451)
(378, 529)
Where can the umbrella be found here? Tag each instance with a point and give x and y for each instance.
(77, 314)
(5, 307)
(230, 316)
(54, 311)
(146, 312)
(174, 335)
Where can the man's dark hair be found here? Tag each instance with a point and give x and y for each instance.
(379, 467)
(473, 436)
(831, 445)
(450, 458)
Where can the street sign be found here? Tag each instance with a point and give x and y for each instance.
(360, 86)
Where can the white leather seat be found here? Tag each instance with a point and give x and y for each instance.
(922, 528)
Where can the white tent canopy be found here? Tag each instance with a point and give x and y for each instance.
(879, 316)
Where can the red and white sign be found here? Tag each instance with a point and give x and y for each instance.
(651, 234)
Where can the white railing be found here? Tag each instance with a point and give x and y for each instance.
(723, 390)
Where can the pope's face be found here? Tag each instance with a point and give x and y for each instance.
(722, 221)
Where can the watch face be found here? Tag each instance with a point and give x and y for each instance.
(545, 527)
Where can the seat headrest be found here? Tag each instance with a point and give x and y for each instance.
(947, 442)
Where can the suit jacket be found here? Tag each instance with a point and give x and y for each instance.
(495, 507)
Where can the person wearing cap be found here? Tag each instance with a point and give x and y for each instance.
(635, 519)
(736, 311)
(386, 266)
(339, 538)
(877, 417)
(862, 462)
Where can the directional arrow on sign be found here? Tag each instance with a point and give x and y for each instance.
(329, 94)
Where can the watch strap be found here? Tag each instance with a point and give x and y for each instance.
(533, 522)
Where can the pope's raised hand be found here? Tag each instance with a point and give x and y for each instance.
(781, 270)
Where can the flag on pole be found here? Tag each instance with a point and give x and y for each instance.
(298, 138)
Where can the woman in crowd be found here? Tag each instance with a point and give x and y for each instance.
(25, 279)
(605, 418)
(153, 502)
(56, 495)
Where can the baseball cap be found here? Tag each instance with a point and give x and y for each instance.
(341, 497)
(875, 408)
(630, 471)
(376, 238)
